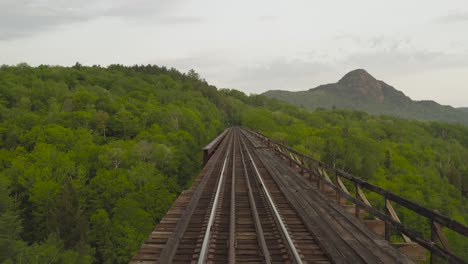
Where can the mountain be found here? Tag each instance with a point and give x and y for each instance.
(358, 90)
(464, 109)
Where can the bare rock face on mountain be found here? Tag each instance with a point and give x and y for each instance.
(361, 83)
(358, 90)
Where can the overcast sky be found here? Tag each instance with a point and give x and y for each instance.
(419, 47)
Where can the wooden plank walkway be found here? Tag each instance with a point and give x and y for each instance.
(343, 236)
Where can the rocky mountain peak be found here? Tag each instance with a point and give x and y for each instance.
(360, 83)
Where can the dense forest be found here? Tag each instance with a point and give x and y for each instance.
(92, 157)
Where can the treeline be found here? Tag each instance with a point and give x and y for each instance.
(92, 157)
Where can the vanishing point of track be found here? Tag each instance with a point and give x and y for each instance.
(242, 216)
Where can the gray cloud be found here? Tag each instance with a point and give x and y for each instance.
(347, 37)
(280, 73)
(397, 55)
(267, 18)
(135, 8)
(402, 62)
(197, 61)
(379, 42)
(18, 18)
(277, 73)
(180, 20)
(17, 26)
(278, 68)
(453, 18)
(22, 18)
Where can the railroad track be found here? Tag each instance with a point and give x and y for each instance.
(241, 215)
(248, 206)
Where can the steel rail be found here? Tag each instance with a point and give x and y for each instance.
(232, 220)
(206, 238)
(285, 232)
(173, 242)
(253, 207)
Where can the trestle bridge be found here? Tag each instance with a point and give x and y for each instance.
(259, 201)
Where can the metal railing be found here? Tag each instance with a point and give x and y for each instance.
(437, 245)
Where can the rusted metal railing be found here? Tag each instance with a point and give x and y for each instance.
(209, 149)
(320, 172)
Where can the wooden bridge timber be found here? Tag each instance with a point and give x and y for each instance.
(259, 201)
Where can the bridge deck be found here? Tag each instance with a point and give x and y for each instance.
(310, 227)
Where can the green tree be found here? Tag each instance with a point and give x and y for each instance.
(100, 236)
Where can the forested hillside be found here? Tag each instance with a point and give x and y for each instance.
(92, 157)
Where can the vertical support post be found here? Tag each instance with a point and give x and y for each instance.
(356, 206)
(319, 179)
(433, 240)
(315, 168)
(338, 196)
(387, 224)
(437, 236)
(302, 166)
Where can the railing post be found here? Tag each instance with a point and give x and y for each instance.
(387, 224)
(310, 171)
(337, 192)
(356, 206)
(319, 178)
(433, 240)
(437, 236)
(302, 166)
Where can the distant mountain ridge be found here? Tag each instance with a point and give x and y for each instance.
(358, 90)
